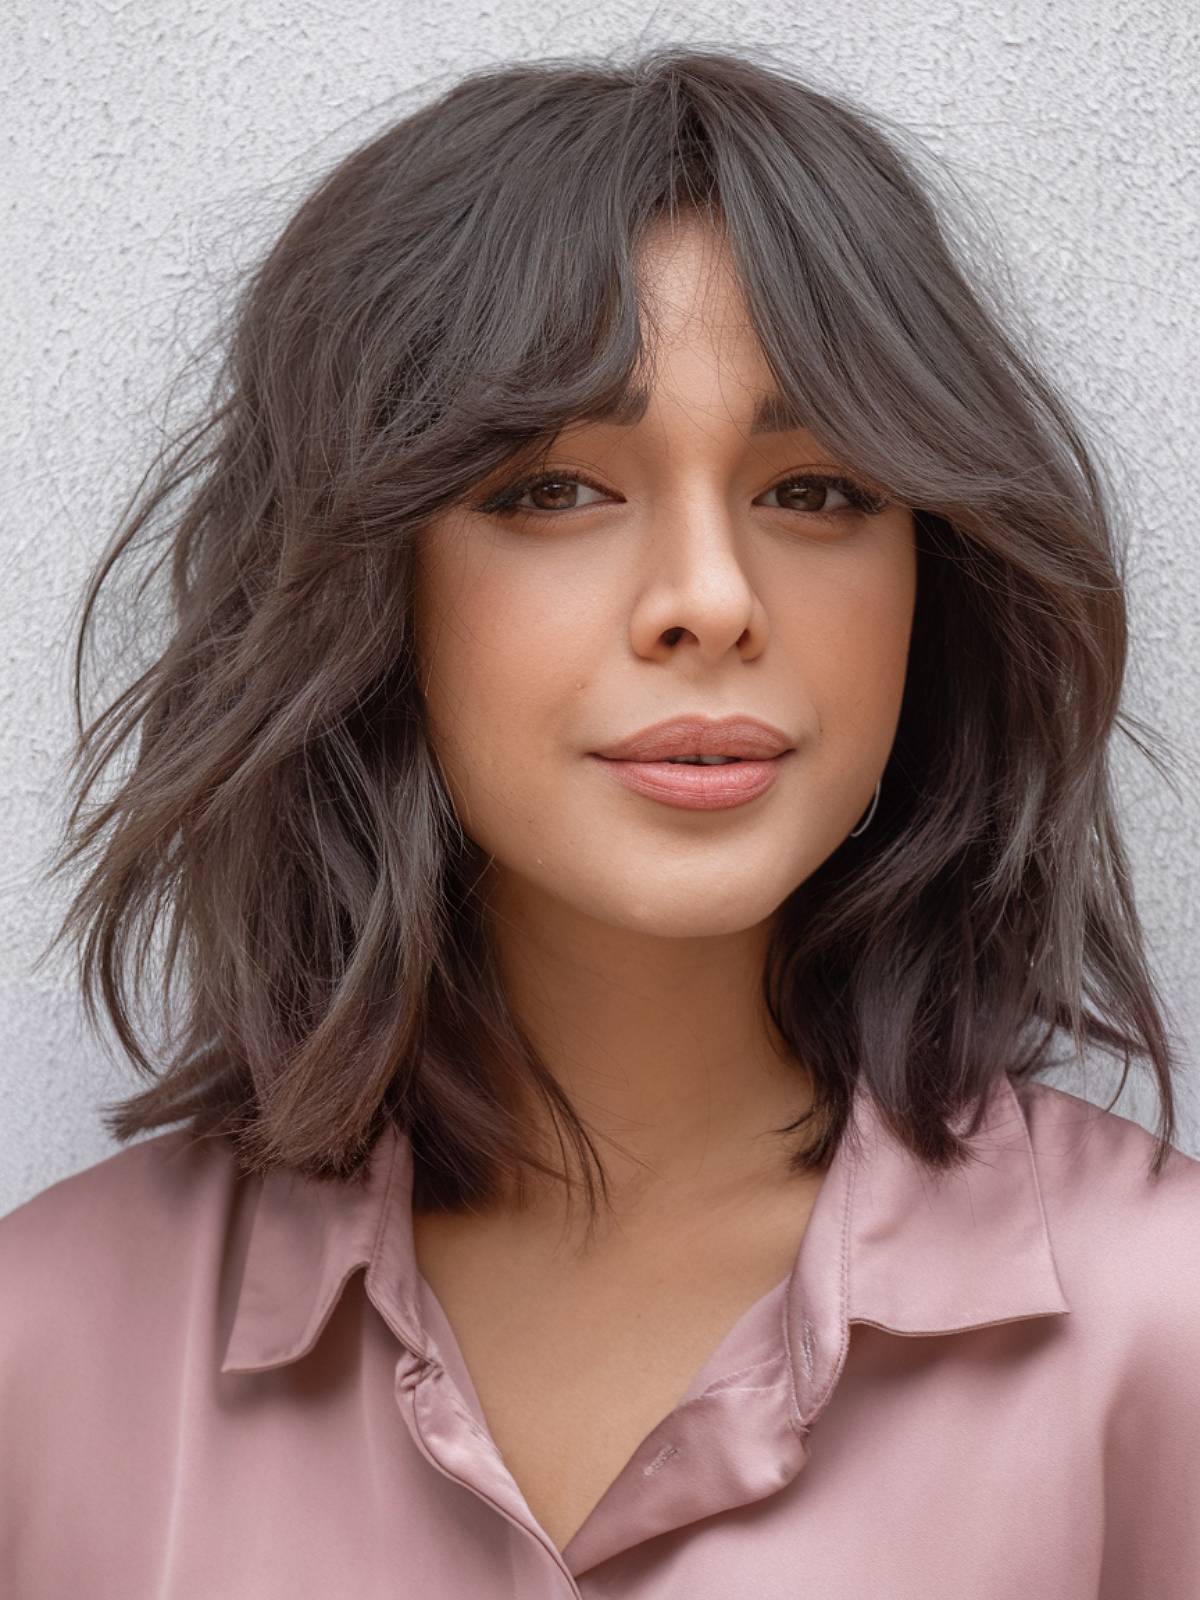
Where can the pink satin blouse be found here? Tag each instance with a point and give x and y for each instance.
(983, 1387)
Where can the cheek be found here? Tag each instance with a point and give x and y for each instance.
(496, 662)
(853, 646)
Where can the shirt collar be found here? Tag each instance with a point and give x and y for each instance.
(888, 1243)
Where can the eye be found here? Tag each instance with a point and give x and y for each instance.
(812, 492)
(560, 489)
(805, 492)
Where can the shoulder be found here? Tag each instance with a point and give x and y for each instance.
(149, 1185)
(1080, 1148)
(1124, 1241)
(106, 1243)
(1125, 1245)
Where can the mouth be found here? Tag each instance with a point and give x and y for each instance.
(697, 737)
(702, 761)
(698, 783)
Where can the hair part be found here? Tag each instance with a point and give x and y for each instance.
(445, 301)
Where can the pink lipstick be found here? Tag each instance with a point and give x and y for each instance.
(697, 788)
(698, 762)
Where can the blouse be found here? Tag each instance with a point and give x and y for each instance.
(981, 1385)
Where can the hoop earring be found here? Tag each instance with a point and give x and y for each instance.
(865, 823)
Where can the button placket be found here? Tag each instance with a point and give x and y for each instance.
(452, 1442)
(734, 1443)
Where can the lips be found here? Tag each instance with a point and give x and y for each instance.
(747, 738)
(694, 787)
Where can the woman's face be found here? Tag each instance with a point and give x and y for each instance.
(682, 577)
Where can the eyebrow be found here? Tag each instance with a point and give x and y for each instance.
(772, 412)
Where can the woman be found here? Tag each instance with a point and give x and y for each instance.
(644, 647)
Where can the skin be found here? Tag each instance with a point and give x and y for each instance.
(631, 934)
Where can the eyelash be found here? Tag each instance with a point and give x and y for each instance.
(503, 502)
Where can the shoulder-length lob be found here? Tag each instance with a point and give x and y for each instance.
(447, 299)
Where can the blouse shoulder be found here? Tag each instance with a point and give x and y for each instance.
(86, 1257)
(1125, 1241)
(1126, 1246)
(175, 1171)
(1080, 1145)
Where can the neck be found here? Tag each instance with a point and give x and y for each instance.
(662, 1045)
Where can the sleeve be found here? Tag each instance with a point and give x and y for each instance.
(1151, 1469)
(31, 1346)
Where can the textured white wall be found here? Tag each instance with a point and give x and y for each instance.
(151, 145)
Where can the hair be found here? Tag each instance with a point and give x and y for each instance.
(446, 300)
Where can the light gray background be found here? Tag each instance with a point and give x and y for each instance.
(151, 147)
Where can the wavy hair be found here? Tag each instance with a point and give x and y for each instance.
(446, 300)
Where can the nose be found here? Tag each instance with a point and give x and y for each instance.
(696, 592)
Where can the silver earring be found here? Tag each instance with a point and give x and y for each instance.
(865, 823)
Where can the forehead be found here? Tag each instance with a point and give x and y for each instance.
(773, 413)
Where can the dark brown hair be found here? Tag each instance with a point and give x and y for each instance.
(446, 300)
